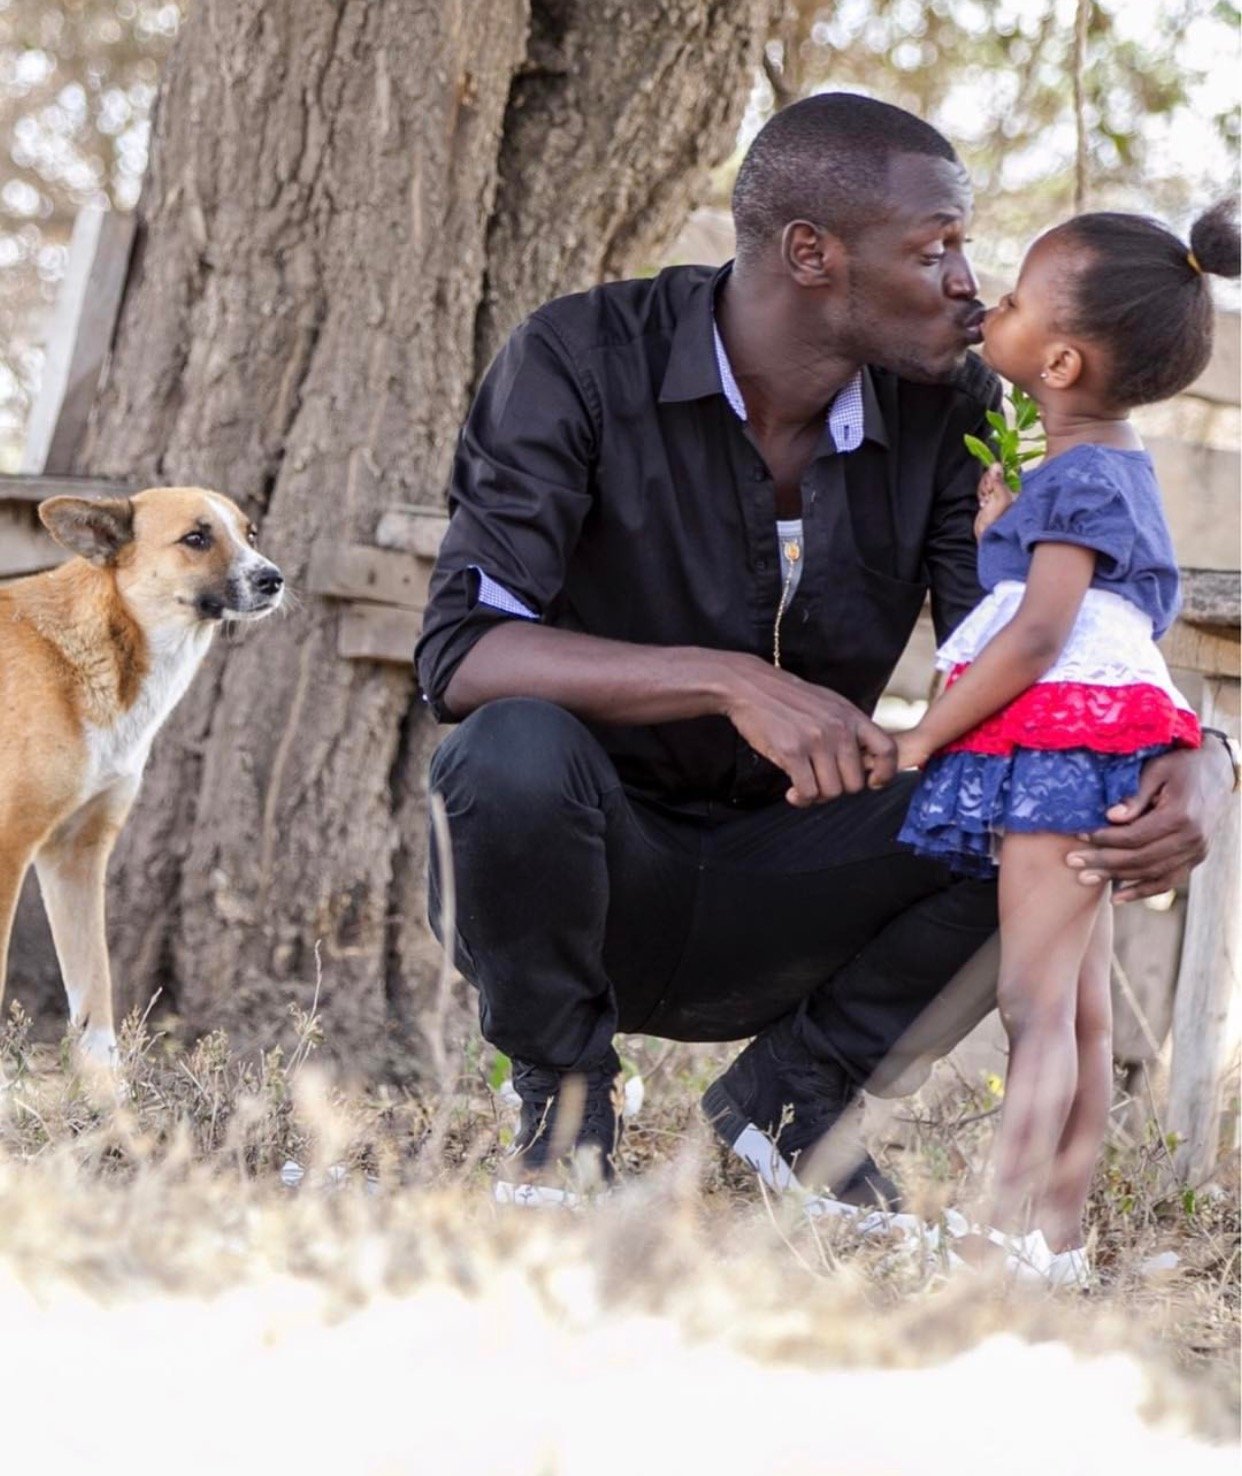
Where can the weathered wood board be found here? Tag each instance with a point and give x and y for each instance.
(356, 571)
(81, 336)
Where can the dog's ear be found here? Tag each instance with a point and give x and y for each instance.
(96, 528)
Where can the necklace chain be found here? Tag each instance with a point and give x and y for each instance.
(793, 552)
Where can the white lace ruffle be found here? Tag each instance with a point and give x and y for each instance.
(1110, 645)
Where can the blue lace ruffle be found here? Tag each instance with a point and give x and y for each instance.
(966, 799)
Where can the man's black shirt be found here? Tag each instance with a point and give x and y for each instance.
(603, 481)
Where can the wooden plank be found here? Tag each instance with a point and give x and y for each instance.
(1200, 486)
(416, 530)
(1207, 981)
(378, 633)
(1146, 947)
(81, 336)
(356, 571)
(35, 489)
(1211, 597)
(1207, 649)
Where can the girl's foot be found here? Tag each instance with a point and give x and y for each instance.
(1070, 1269)
(1024, 1259)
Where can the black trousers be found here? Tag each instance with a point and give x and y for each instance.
(583, 910)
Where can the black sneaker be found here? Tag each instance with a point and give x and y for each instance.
(567, 1137)
(773, 1106)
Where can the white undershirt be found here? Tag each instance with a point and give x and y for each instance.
(789, 531)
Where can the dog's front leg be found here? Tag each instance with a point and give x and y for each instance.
(71, 867)
(13, 869)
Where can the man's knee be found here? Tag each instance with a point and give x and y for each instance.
(512, 749)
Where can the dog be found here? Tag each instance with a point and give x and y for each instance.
(94, 655)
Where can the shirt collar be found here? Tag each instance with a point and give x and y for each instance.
(691, 373)
(698, 366)
(845, 412)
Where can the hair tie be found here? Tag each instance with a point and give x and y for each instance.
(1194, 262)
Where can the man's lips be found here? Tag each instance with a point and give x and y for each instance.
(972, 326)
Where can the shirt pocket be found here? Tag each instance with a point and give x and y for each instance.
(864, 628)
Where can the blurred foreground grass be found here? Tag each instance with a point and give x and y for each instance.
(267, 1266)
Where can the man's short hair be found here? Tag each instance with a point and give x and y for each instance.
(825, 159)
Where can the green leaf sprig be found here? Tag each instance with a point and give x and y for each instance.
(1012, 444)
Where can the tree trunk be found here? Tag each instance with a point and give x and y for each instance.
(348, 206)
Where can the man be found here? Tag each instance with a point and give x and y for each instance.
(694, 519)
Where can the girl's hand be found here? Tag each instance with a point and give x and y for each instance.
(913, 749)
(913, 752)
(995, 498)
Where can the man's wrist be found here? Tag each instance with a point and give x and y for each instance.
(714, 676)
(1230, 747)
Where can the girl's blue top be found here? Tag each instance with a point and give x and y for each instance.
(1099, 498)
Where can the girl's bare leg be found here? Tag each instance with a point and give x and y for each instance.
(1046, 919)
(1059, 1214)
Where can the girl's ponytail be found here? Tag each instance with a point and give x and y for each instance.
(1214, 240)
(1141, 294)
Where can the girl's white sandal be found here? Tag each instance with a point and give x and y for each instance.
(1028, 1261)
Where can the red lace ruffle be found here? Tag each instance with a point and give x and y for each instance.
(1078, 715)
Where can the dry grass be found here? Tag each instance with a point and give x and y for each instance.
(177, 1193)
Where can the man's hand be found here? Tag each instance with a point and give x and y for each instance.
(1157, 836)
(995, 498)
(824, 743)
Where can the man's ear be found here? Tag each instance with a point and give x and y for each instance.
(814, 257)
(96, 528)
(1062, 366)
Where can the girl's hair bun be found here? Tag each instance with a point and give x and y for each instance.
(1214, 240)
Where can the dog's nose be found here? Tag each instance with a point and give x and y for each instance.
(269, 581)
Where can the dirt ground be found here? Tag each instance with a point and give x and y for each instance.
(248, 1263)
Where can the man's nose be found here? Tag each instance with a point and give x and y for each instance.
(268, 581)
(959, 279)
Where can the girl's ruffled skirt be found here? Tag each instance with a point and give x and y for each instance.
(1065, 751)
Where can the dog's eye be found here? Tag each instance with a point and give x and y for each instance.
(252, 536)
(196, 538)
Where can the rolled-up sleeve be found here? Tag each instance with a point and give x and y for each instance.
(520, 490)
(951, 550)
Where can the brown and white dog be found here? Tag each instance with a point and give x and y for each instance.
(94, 655)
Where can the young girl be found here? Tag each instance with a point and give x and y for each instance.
(1056, 692)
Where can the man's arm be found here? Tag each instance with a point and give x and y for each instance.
(951, 550)
(521, 490)
(822, 742)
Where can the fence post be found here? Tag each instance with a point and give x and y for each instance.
(82, 326)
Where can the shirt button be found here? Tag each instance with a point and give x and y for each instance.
(758, 473)
(761, 565)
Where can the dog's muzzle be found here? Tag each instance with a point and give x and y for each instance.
(248, 595)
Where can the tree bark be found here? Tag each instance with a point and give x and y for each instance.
(348, 206)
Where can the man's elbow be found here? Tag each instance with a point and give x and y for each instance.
(457, 701)
(445, 698)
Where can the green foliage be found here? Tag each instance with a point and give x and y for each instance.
(78, 81)
(502, 1069)
(1014, 441)
(998, 80)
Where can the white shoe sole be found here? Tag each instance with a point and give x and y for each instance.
(536, 1196)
